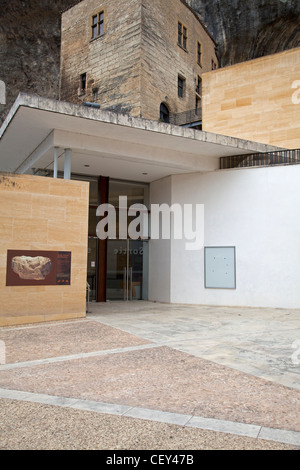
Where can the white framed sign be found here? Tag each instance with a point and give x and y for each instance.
(220, 267)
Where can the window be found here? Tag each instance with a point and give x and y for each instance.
(182, 35)
(164, 115)
(199, 85)
(181, 87)
(101, 23)
(197, 105)
(83, 83)
(184, 38)
(199, 54)
(94, 27)
(97, 25)
(95, 91)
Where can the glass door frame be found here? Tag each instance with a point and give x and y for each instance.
(127, 278)
(127, 275)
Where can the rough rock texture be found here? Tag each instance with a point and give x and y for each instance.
(30, 47)
(247, 30)
(28, 267)
(30, 37)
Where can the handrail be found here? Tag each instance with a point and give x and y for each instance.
(186, 117)
(281, 157)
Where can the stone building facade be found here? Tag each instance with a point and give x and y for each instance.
(145, 59)
(257, 100)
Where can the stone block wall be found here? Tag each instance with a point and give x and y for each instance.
(134, 65)
(164, 60)
(43, 214)
(258, 100)
(111, 62)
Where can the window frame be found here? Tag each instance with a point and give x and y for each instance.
(164, 113)
(197, 104)
(199, 53)
(182, 36)
(83, 83)
(181, 88)
(97, 24)
(199, 85)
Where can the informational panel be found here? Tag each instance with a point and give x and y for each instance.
(220, 267)
(38, 268)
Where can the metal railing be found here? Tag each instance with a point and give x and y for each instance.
(282, 157)
(187, 117)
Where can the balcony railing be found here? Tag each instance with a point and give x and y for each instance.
(187, 118)
(282, 157)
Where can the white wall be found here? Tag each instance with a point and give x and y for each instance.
(257, 211)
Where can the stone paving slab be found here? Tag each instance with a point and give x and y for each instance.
(121, 369)
(258, 341)
(156, 416)
(64, 338)
(161, 378)
(37, 426)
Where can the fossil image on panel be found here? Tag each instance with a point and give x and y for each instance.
(28, 267)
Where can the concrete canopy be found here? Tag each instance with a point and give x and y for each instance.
(108, 144)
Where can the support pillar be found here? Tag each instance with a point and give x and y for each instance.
(55, 162)
(67, 164)
(102, 245)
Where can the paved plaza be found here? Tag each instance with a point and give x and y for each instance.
(173, 376)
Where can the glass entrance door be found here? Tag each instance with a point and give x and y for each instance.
(127, 270)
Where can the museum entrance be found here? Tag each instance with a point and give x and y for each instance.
(126, 259)
(118, 265)
(127, 270)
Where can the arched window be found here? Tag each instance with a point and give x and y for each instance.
(164, 114)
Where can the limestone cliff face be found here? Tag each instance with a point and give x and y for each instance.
(249, 29)
(30, 47)
(30, 37)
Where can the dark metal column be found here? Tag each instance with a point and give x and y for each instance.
(102, 245)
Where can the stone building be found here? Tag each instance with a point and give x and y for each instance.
(144, 59)
(221, 196)
(258, 100)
